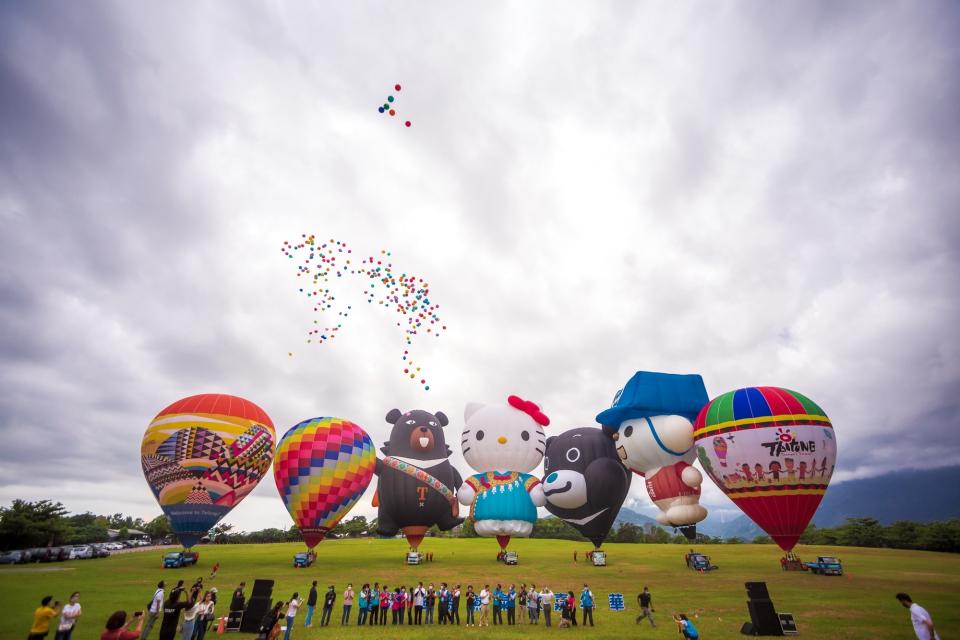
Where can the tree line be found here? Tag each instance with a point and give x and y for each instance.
(46, 523)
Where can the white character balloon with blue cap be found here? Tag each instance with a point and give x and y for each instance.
(651, 424)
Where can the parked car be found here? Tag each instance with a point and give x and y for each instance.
(59, 554)
(598, 558)
(177, 559)
(303, 559)
(40, 554)
(414, 557)
(80, 552)
(114, 546)
(510, 557)
(826, 565)
(700, 562)
(14, 557)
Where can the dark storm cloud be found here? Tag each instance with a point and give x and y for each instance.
(764, 194)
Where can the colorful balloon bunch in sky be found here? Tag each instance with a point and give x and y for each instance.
(323, 264)
(389, 107)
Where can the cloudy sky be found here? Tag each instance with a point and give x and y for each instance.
(760, 193)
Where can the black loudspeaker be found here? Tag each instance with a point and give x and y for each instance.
(757, 590)
(256, 609)
(263, 588)
(764, 618)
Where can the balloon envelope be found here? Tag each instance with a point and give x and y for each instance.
(777, 458)
(584, 482)
(323, 466)
(201, 456)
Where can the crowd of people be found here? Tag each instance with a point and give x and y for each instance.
(380, 605)
(187, 614)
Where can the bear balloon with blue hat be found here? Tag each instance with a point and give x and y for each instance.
(651, 424)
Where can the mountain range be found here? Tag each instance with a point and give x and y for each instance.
(916, 495)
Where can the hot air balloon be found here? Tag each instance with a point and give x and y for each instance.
(651, 424)
(584, 482)
(503, 443)
(417, 485)
(323, 466)
(783, 449)
(201, 456)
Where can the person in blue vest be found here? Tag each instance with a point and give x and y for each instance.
(498, 605)
(586, 603)
(685, 626)
(511, 605)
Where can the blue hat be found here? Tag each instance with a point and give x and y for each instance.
(655, 394)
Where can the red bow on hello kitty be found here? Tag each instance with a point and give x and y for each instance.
(530, 409)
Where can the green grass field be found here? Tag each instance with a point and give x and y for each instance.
(858, 605)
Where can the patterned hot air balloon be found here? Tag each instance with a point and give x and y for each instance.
(780, 454)
(323, 466)
(201, 456)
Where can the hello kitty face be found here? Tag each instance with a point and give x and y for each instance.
(503, 437)
(647, 444)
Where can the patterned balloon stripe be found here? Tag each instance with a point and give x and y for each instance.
(322, 467)
(758, 406)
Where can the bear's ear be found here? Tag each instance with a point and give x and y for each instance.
(471, 408)
(393, 416)
(442, 418)
(549, 440)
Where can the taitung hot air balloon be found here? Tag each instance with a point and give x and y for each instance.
(780, 454)
(201, 456)
(322, 467)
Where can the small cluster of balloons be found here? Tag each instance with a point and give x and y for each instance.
(405, 294)
(389, 107)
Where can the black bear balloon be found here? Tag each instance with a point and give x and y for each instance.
(417, 485)
(584, 481)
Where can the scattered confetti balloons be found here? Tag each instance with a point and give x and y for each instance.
(323, 265)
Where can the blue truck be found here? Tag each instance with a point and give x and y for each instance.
(177, 559)
(699, 562)
(827, 566)
(304, 559)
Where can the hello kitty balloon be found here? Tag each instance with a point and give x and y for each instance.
(503, 443)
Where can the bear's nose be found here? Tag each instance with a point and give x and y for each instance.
(423, 429)
(552, 477)
(502, 440)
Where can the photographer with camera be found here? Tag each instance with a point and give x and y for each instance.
(117, 627)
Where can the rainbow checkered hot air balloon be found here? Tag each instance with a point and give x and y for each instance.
(201, 456)
(322, 467)
(780, 453)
